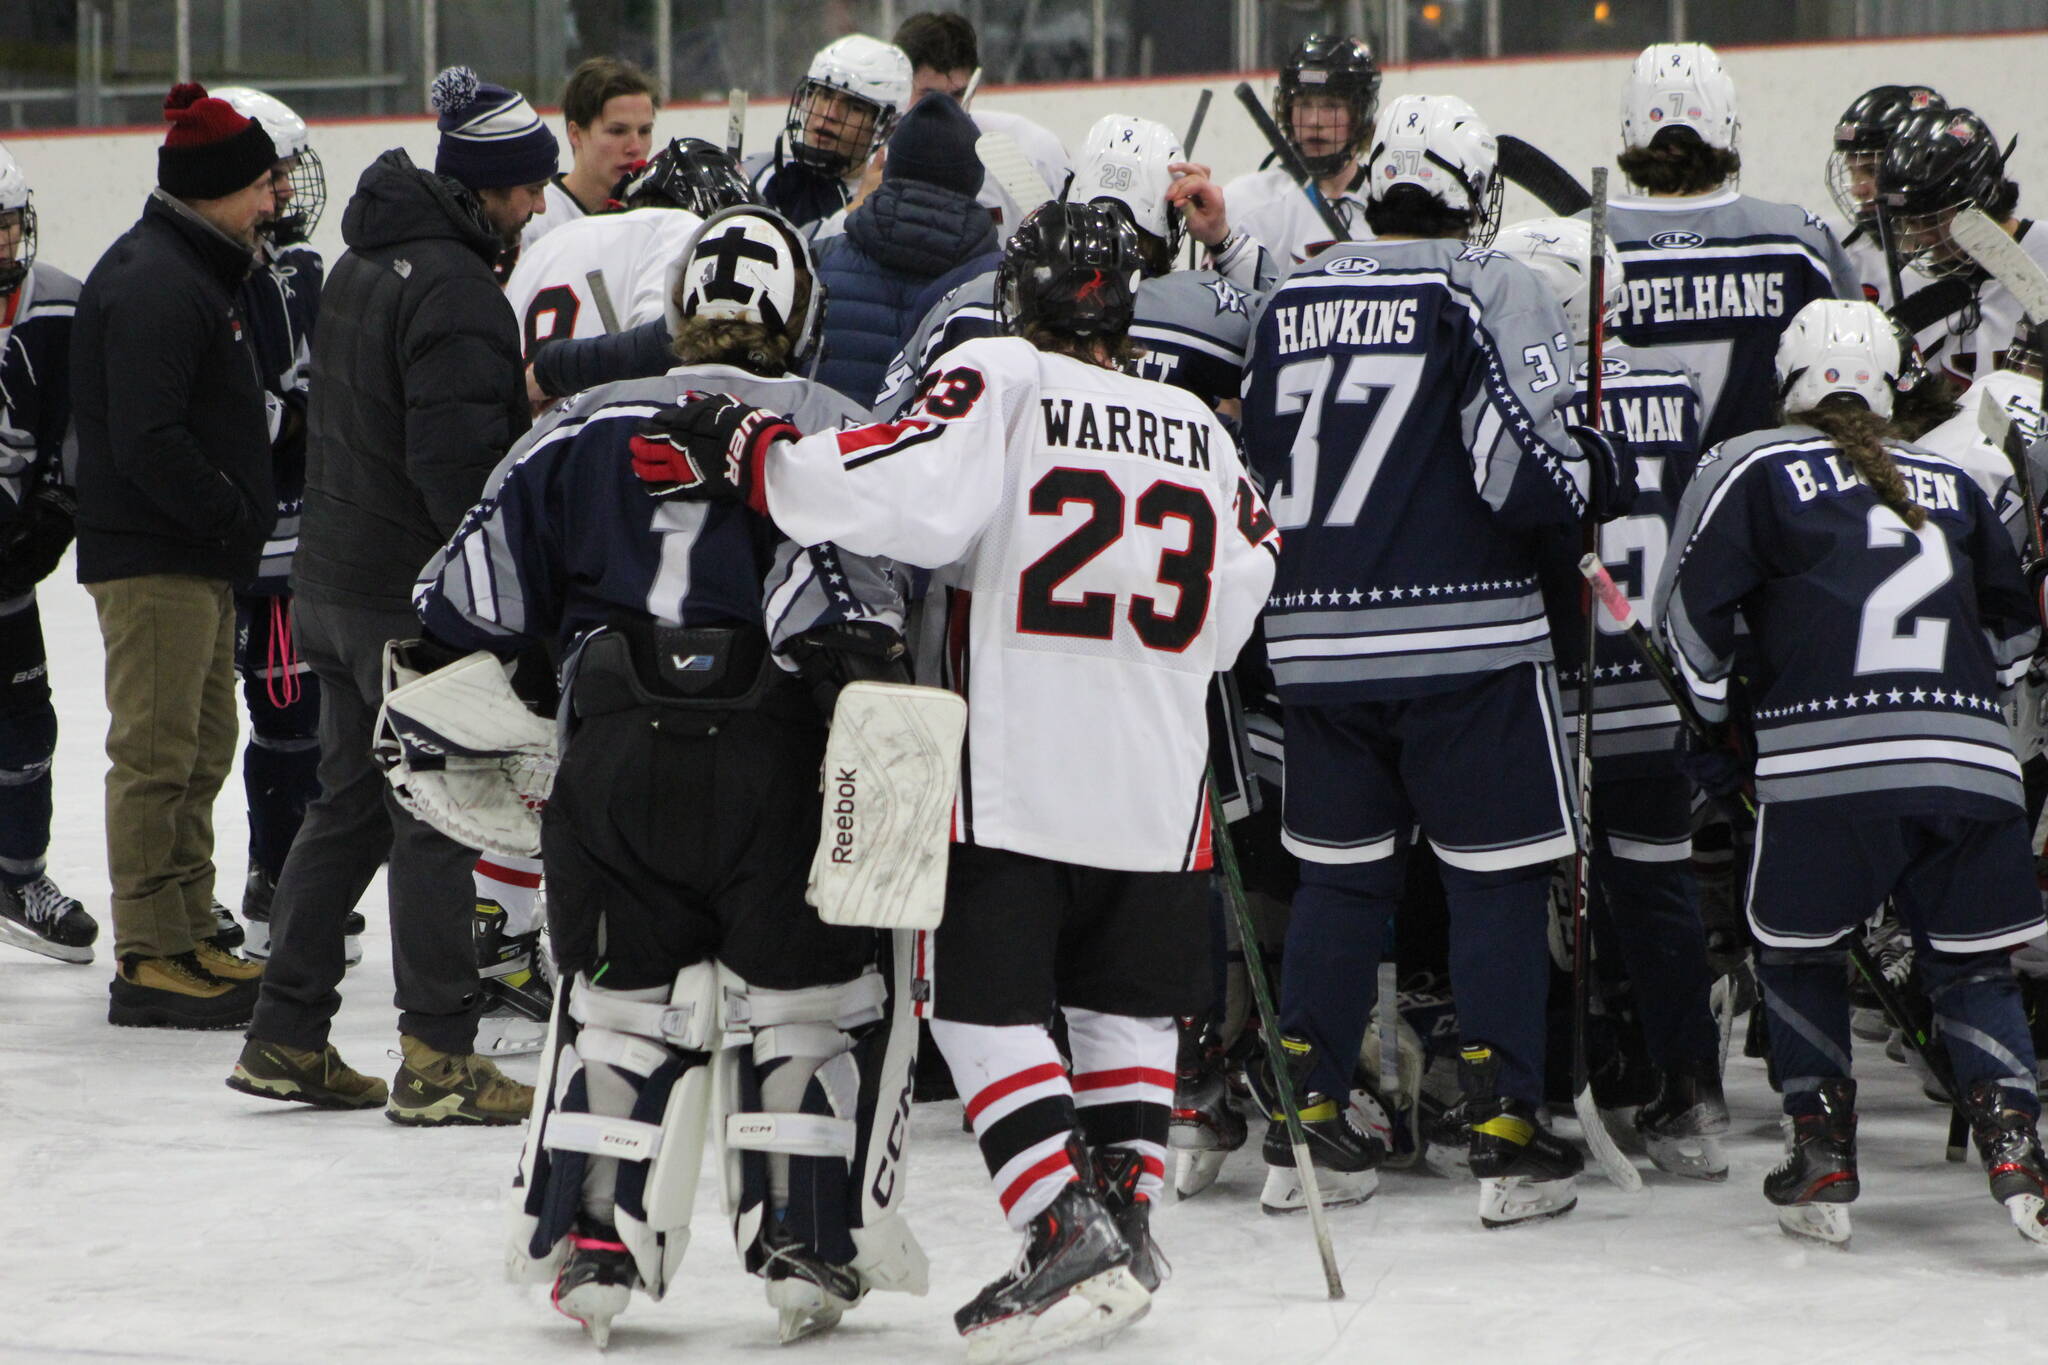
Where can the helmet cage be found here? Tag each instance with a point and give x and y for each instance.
(862, 125)
(308, 181)
(13, 272)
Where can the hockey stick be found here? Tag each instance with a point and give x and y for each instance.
(967, 92)
(601, 294)
(735, 122)
(1530, 167)
(1006, 164)
(2006, 261)
(1617, 1167)
(1890, 249)
(1187, 153)
(1269, 1033)
(1741, 811)
(1290, 162)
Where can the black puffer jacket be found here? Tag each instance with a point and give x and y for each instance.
(418, 389)
(173, 442)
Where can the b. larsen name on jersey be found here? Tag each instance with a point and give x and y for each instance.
(1704, 298)
(1115, 429)
(1935, 490)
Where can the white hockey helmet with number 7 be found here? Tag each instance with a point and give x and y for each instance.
(1440, 145)
(1560, 251)
(1841, 346)
(1125, 159)
(1679, 85)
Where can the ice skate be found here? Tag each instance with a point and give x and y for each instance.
(1892, 948)
(1347, 1157)
(1072, 1286)
(1205, 1126)
(38, 917)
(2011, 1149)
(809, 1294)
(1526, 1173)
(1680, 1127)
(517, 996)
(1818, 1176)
(1118, 1169)
(258, 892)
(596, 1281)
(227, 932)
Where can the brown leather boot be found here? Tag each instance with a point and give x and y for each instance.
(176, 992)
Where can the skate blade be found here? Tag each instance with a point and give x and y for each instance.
(1827, 1224)
(1509, 1201)
(1340, 1189)
(16, 936)
(1110, 1302)
(594, 1306)
(2027, 1211)
(802, 1309)
(1689, 1158)
(1196, 1170)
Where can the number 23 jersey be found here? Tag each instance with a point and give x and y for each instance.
(1099, 553)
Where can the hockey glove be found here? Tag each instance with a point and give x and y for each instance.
(1714, 767)
(708, 448)
(830, 657)
(1611, 471)
(31, 546)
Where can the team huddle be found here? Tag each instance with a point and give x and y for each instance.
(844, 683)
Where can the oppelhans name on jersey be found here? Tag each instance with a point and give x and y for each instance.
(1115, 429)
(1704, 298)
(1345, 322)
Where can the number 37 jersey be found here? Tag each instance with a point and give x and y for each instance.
(1098, 553)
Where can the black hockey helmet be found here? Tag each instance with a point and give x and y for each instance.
(1072, 269)
(1861, 136)
(689, 173)
(1325, 64)
(1940, 161)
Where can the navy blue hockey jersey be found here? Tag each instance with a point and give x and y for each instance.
(281, 301)
(1876, 654)
(1404, 409)
(1658, 412)
(35, 383)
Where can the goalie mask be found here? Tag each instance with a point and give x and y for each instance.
(847, 103)
(1072, 269)
(304, 197)
(1679, 85)
(1838, 346)
(1941, 161)
(1125, 160)
(1439, 144)
(746, 264)
(689, 174)
(1560, 251)
(1862, 134)
(1333, 71)
(17, 225)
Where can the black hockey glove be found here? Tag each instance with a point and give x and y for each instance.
(830, 657)
(1612, 469)
(31, 546)
(1714, 767)
(708, 448)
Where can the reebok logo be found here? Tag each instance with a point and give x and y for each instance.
(847, 793)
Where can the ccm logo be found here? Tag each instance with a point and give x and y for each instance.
(1352, 265)
(1667, 241)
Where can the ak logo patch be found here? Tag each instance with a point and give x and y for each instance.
(1677, 241)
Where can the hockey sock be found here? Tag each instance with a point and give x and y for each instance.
(1806, 996)
(1335, 936)
(28, 738)
(1978, 1013)
(1500, 968)
(514, 884)
(1022, 1108)
(1657, 934)
(1123, 1086)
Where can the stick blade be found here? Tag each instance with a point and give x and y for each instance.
(1612, 1162)
(2004, 259)
(1006, 164)
(1535, 171)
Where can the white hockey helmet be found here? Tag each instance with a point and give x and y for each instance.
(1679, 85)
(747, 264)
(1125, 159)
(1839, 346)
(875, 75)
(1439, 144)
(16, 198)
(308, 179)
(1560, 251)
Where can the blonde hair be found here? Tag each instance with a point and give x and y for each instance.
(728, 341)
(1860, 433)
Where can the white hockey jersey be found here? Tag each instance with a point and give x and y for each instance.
(551, 291)
(558, 207)
(1272, 208)
(1099, 554)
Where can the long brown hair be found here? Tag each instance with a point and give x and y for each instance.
(1861, 433)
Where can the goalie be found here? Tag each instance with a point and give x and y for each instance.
(699, 990)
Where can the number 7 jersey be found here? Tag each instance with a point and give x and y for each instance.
(1098, 552)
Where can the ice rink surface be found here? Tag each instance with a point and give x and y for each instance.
(147, 1213)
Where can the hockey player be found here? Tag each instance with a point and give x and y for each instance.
(1940, 162)
(1192, 324)
(36, 508)
(1642, 803)
(1885, 614)
(608, 109)
(839, 116)
(1713, 275)
(1329, 95)
(1408, 639)
(680, 826)
(1098, 552)
(1861, 136)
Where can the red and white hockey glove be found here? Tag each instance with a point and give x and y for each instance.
(708, 448)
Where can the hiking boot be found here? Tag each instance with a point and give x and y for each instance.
(37, 916)
(176, 992)
(224, 965)
(321, 1079)
(434, 1088)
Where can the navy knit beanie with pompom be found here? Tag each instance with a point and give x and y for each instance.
(490, 137)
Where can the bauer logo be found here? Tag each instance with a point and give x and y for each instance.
(1352, 265)
(1675, 241)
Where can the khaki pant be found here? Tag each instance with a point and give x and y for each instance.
(171, 741)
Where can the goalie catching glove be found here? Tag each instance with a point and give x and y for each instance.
(708, 448)
(463, 753)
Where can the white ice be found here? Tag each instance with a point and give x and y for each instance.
(148, 1213)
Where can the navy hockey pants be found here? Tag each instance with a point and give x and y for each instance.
(28, 739)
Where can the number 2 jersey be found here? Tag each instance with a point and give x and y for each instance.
(1404, 408)
(1877, 655)
(1098, 552)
